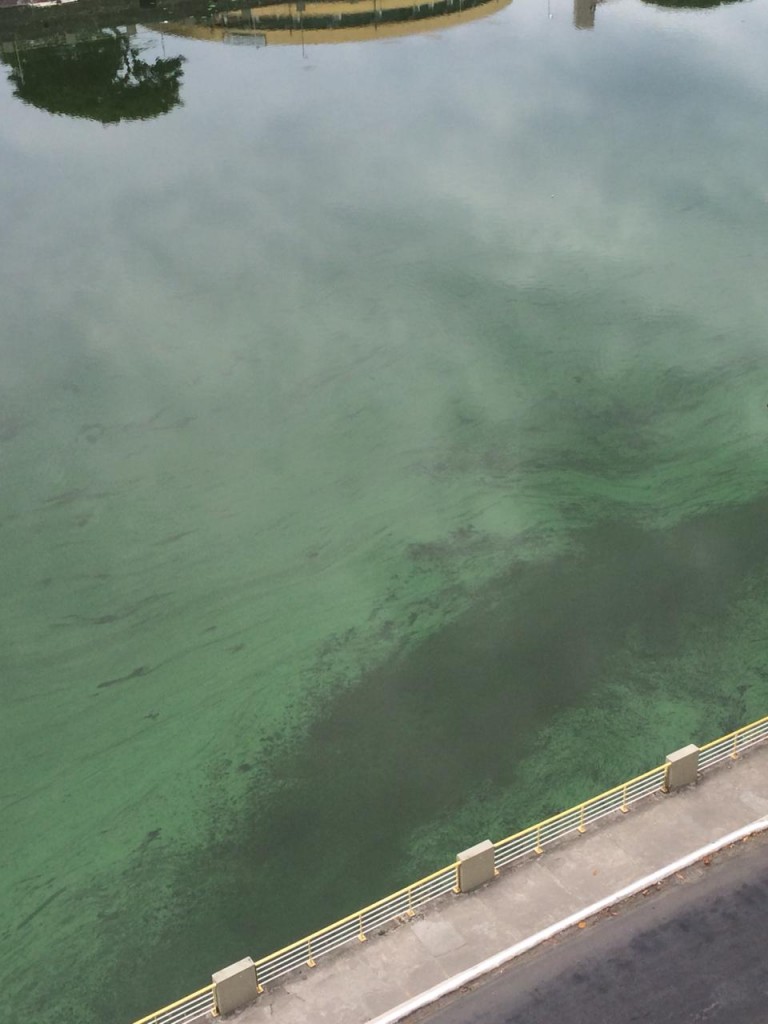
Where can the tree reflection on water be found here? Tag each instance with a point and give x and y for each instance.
(102, 78)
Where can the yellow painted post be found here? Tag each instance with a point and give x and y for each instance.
(410, 911)
(311, 960)
(582, 826)
(361, 934)
(735, 751)
(259, 986)
(538, 848)
(624, 805)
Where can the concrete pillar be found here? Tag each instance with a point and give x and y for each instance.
(476, 866)
(682, 767)
(235, 986)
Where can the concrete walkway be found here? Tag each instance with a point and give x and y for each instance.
(360, 982)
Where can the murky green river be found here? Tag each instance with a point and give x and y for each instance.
(383, 452)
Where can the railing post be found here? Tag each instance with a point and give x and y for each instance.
(682, 767)
(538, 848)
(624, 805)
(582, 826)
(361, 934)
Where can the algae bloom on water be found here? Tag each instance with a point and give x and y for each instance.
(382, 457)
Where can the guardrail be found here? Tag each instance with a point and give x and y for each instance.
(401, 904)
(733, 744)
(404, 903)
(576, 819)
(197, 1006)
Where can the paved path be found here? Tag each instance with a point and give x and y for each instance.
(691, 951)
(358, 983)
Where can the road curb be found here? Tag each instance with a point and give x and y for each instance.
(471, 974)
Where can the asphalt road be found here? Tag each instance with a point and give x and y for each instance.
(693, 950)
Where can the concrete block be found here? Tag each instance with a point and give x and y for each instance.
(235, 986)
(682, 766)
(476, 866)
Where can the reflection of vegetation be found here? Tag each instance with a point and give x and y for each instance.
(690, 3)
(282, 17)
(103, 79)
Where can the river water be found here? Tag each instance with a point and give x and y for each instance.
(382, 453)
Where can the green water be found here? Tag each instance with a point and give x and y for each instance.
(382, 466)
